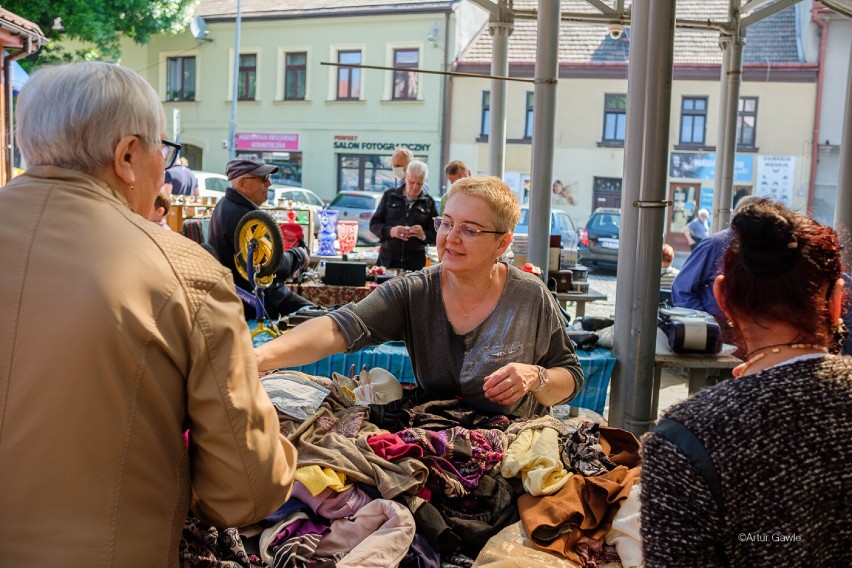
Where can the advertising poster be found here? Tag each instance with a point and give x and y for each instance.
(693, 165)
(775, 178)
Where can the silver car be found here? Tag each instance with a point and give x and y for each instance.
(358, 206)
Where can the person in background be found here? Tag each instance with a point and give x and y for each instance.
(403, 221)
(693, 286)
(454, 171)
(181, 179)
(474, 327)
(764, 479)
(144, 338)
(400, 159)
(698, 229)
(160, 210)
(667, 271)
(249, 177)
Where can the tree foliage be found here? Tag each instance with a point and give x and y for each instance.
(100, 23)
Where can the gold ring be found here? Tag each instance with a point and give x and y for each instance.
(513, 389)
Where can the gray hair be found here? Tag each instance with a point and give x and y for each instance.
(73, 115)
(417, 168)
(405, 151)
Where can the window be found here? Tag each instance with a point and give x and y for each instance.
(486, 114)
(528, 125)
(615, 118)
(693, 120)
(295, 76)
(364, 172)
(349, 78)
(746, 122)
(247, 86)
(405, 83)
(180, 79)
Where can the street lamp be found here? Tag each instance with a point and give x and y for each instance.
(232, 150)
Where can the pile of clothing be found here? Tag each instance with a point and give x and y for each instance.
(429, 484)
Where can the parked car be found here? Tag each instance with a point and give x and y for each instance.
(211, 185)
(358, 206)
(599, 238)
(299, 197)
(560, 224)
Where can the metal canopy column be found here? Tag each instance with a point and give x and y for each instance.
(546, 77)
(843, 210)
(500, 26)
(646, 149)
(732, 69)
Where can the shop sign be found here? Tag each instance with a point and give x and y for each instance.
(267, 142)
(342, 142)
(703, 166)
(775, 178)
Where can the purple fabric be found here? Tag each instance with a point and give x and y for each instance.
(298, 528)
(330, 504)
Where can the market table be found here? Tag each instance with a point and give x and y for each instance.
(579, 298)
(328, 295)
(597, 368)
(704, 371)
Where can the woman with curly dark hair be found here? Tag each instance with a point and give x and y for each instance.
(754, 471)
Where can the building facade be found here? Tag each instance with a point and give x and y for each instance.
(775, 118)
(328, 127)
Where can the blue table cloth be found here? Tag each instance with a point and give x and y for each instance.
(597, 368)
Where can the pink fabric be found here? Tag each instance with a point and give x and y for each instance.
(377, 536)
(391, 447)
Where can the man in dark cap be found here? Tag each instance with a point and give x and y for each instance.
(249, 177)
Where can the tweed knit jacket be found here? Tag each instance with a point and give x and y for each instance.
(780, 442)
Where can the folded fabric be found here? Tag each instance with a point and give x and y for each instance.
(329, 503)
(391, 447)
(316, 479)
(585, 506)
(377, 536)
(534, 455)
(625, 532)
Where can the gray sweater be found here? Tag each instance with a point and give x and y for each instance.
(780, 441)
(525, 327)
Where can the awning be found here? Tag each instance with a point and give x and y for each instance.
(19, 77)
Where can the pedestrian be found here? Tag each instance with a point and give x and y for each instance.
(404, 223)
(698, 229)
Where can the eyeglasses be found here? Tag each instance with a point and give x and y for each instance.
(466, 230)
(170, 153)
(263, 179)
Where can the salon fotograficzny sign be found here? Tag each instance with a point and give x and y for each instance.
(343, 142)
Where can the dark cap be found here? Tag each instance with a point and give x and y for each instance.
(248, 165)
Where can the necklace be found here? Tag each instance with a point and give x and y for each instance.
(458, 296)
(740, 370)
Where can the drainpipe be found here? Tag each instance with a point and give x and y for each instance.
(446, 108)
(823, 39)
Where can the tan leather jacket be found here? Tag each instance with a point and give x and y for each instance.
(116, 336)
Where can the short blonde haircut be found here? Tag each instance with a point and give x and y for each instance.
(505, 209)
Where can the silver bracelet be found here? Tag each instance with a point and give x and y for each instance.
(542, 379)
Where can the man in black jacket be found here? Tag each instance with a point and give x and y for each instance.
(249, 177)
(404, 221)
